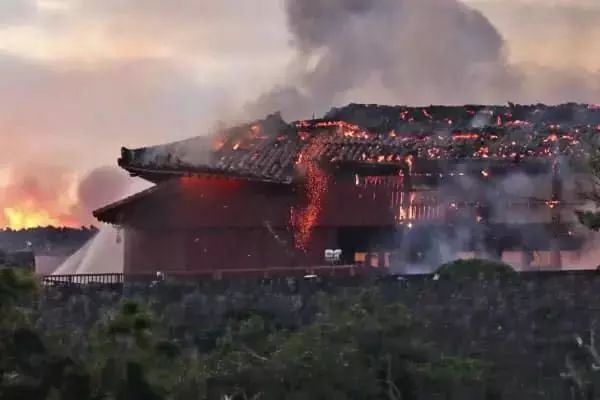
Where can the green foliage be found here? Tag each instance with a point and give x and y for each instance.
(16, 286)
(475, 269)
(589, 219)
(29, 369)
(359, 346)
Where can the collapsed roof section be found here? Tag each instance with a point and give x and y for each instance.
(368, 136)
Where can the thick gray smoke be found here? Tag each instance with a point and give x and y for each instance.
(506, 201)
(399, 51)
(415, 52)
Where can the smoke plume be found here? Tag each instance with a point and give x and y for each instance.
(415, 52)
(408, 51)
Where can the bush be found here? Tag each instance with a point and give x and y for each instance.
(16, 285)
(474, 269)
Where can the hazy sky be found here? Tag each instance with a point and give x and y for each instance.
(80, 78)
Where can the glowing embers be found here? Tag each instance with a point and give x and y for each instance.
(342, 128)
(416, 206)
(410, 162)
(406, 212)
(304, 219)
(482, 152)
(465, 136)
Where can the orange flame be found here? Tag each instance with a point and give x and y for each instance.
(409, 162)
(24, 217)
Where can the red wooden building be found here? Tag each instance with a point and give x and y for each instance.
(271, 197)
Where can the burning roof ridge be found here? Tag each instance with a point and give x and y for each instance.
(268, 149)
(507, 105)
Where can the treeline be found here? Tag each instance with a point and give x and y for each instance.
(354, 345)
(47, 239)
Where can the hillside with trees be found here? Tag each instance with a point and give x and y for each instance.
(52, 240)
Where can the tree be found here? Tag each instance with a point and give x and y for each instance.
(130, 358)
(474, 269)
(29, 369)
(360, 347)
(591, 219)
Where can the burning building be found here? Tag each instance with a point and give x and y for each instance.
(395, 187)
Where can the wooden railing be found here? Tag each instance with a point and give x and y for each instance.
(322, 272)
(119, 278)
(83, 279)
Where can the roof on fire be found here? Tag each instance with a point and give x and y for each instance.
(269, 149)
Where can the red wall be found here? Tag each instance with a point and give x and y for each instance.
(349, 205)
(207, 224)
(214, 249)
(209, 202)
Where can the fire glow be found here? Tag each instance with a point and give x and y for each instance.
(30, 201)
(24, 217)
(303, 220)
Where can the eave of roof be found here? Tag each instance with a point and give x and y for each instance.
(102, 214)
(197, 171)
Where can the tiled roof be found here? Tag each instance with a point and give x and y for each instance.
(269, 150)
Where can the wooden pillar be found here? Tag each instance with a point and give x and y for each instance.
(406, 189)
(526, 258)
(555, 210)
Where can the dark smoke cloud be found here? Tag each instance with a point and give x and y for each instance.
(416, 52)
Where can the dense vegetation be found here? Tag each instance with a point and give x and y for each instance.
(473, 330)
(353, 345)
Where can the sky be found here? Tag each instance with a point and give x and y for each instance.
(81, 78)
